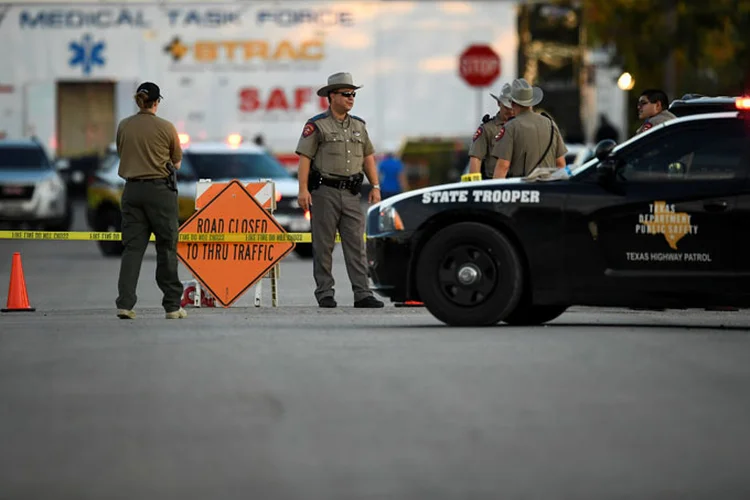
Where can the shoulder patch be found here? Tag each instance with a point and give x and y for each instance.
(318, 117)
(647, 126)
(500, 134)
(477, 134)
(358, 118)
(309, 129)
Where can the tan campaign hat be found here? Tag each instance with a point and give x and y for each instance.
(523, 94)
(504, 97)
(338, 81)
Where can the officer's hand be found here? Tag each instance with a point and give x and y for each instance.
(374, 195)
(304, 198)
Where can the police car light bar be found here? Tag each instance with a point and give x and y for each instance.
(743, 103)
(184, 139)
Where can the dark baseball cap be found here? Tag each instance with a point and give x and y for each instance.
(151, 90)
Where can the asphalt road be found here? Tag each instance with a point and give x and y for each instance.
(301, 403)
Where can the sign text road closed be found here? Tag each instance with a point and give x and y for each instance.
(227, 270)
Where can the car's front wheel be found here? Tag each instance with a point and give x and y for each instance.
(469, 274)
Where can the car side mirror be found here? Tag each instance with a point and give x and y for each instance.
(606, 170)
(62, 164)
(604, 149)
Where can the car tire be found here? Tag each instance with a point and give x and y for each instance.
(110, 221)
(530, 315)
(485, 255)
(303, 250)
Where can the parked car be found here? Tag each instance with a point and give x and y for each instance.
(217, 161)
(32, 192)
(659, 221)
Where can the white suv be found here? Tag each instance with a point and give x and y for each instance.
(31, 190)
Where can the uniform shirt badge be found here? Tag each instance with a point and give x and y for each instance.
(308, 130)
(477, 134)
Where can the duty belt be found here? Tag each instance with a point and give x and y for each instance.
(337, 183)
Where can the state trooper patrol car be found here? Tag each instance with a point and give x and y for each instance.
(659, 221)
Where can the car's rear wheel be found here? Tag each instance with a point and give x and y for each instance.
(469, 274)
(529, 315)
(110, 221)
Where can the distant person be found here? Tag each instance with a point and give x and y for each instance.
(606, 130)
(392, 176)
(149, 150)
(653, 107)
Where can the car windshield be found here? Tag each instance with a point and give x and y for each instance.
(24, 158)
(239, 165)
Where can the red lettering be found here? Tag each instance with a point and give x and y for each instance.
(249, 100)
(301, 96)
(277, 100)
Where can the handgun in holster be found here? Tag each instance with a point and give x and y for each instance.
(355, 186)
(172, 177)
(313, 180)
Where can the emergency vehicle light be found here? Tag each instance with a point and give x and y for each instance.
(234, 140)
(184, 139)
(278, 196)
(743, 103)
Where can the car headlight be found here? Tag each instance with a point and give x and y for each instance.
(389, 220)
(52, 184)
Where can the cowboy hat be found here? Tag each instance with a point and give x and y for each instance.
(523, 94)
(504, 97)
(338, 81)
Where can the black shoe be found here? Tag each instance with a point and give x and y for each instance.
(327, 302)
(369, 303)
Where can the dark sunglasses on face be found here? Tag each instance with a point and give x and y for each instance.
(643, 103)
(347, 94)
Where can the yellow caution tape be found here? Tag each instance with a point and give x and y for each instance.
(471, 177)
(191, 237)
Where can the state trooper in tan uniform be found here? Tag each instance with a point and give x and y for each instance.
(530, 140)
(653, 107)
(334, 151)
(480, 152)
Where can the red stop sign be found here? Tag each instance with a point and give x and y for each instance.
(479, 65)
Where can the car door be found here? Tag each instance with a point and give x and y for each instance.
(671, 226)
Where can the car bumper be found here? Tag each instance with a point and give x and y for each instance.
(293, 223)
(389, 266)
(40, 207)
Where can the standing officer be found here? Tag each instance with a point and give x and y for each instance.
(149, 151)
(652, 108)
(480, 152)
(334, 150)
(530, 140)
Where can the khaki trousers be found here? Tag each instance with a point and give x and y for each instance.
(338, 209)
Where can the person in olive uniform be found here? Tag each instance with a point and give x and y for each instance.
(334, 151)
(148, 147)
(480, 152)
(653, 107)
(530, 140)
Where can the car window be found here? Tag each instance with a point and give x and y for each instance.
(23, 158)
(703, 150)
(239, 165)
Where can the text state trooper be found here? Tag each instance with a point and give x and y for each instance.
(480, 152)
(530, 140)
(334, 150)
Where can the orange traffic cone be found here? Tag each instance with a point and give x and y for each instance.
(18, 299)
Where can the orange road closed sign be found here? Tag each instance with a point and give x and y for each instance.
(227, 270)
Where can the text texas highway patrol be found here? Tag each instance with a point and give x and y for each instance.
(482, 196)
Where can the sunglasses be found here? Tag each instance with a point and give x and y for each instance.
(643, 103)
(347, 94)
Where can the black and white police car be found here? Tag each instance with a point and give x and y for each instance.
(659, 221)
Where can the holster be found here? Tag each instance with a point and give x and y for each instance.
(172, 177)
(313, 180)
(356, 183)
